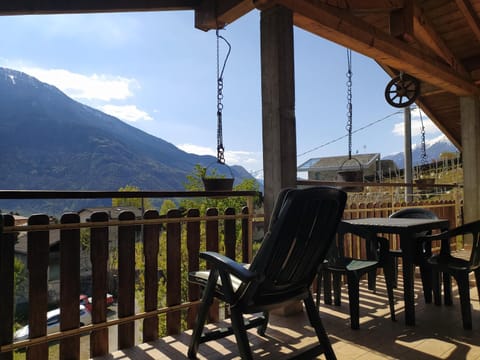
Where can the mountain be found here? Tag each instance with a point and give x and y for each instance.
(434, 148)
(49, 141)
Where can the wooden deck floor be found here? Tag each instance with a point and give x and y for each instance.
(438, 333)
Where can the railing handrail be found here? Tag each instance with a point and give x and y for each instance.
(68, 194)
(377, 184)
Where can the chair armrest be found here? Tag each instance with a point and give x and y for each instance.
(228, 265)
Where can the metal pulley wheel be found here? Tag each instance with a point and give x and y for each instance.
(402, 91)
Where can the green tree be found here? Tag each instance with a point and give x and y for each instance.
(140, 203)
(19, 272)
(194, 183)
(167, 205)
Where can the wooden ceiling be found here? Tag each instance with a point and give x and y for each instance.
(435, 41)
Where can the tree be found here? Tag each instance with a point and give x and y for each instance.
(194, 183)
(139, 203)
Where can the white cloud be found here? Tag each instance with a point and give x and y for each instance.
(85, 87)
(430, 128)
(126, 112)
(251, 161)
(196, 149)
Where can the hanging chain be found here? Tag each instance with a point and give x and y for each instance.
(220, 148)
(424, 147)
(349, 102)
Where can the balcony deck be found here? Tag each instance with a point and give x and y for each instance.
(438, 333)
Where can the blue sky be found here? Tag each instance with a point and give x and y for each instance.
(156, 72)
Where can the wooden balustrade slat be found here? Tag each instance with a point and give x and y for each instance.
(151, 235)
(99, 259)
(246, 234)
(174, 277)
(126, 280)
(229, 234)
(193, 248)
(212, 244)
(7, 242)
(69, 286)
(37, 260)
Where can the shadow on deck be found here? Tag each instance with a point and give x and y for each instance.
(438, 333)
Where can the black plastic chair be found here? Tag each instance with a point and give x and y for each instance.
(303, 225)
(423, 250)
(459, 268)
(338, 265)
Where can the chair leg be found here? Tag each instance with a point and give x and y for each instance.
(395, 271)
(426, 274)
(207, 300)
(437, 298)
(464, 292)
(447, 289)
(316, 322)
(240, 332)
(477, 280)
(327, 287)
(262, 328)
(389, 275)
(354, 299)
(337, 288)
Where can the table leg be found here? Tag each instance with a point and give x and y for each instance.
(408, 253)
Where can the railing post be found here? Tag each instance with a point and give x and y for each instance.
(69, 286)
(212, 239)
(38, 259)
(151, 234)
(99, 259)
(193, 247)
(126, 280)
(7, 244)
(247, 236)
(230, 238)
(174, 259)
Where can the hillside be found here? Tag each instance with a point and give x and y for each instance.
(434, 149)
(50, 141)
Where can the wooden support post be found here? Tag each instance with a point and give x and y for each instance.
(278, 103)
(470, 123)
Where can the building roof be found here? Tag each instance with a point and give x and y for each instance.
(340, 162)
(21, 245)
(113, 211)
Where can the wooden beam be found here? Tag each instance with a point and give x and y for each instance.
(213, 14)
(401, 22)
(368, 5)
(424, 31)
(278, 104)
(345, 29)
(470, 15)
(26, 7)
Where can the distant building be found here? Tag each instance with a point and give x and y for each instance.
(327, 168)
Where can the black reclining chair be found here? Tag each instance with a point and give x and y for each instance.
(303, 225)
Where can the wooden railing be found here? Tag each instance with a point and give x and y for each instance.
(182, 236)
(168, 243)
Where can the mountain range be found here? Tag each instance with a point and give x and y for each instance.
(52, 142)
(434, 148)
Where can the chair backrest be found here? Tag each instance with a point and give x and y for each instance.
(304, 223)
(415, 213)
(472, 230)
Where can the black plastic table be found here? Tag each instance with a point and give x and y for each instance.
(406, 229)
